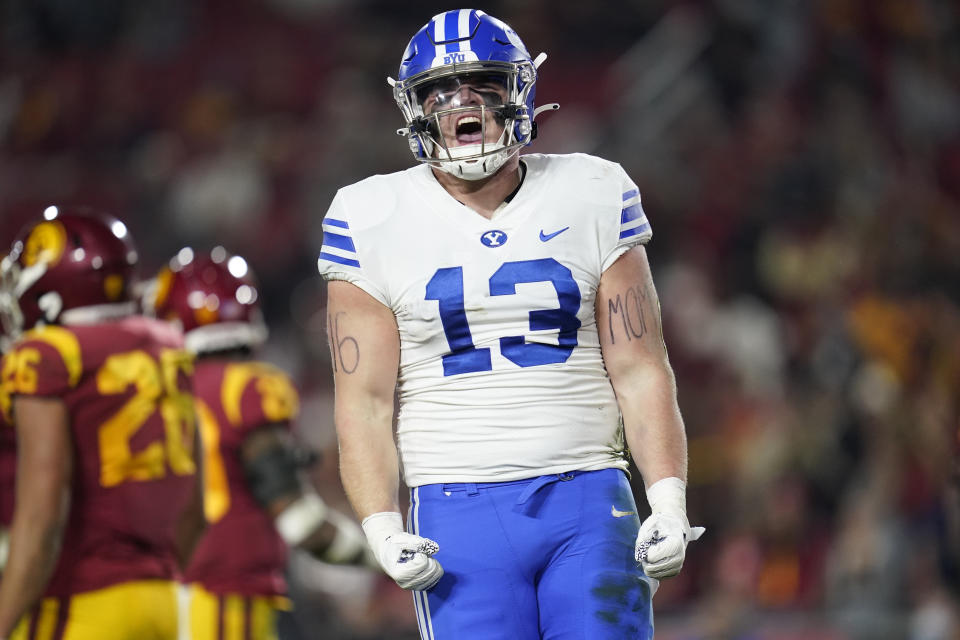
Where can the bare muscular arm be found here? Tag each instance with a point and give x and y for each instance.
(365, 349)
(631, 339)
(44, 469)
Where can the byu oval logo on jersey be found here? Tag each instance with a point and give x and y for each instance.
(493, 238)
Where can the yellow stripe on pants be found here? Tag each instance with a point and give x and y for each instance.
(47, 621)
(205, 611)
(233, 617)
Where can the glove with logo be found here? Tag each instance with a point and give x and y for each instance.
(663, 537)
(403, 556)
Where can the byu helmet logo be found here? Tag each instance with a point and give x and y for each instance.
(493, 238)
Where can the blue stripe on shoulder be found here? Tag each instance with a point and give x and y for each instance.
(338, 241)
(336, 223)
(350, 262)
(636, 230)
(631, 194)
(631, 213)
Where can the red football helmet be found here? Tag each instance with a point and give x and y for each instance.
(213, 298)
(73, 266)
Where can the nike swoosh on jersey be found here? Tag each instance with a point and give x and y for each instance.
(550, 236)
(616, 513)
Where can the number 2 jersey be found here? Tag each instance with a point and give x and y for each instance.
(126, 388)
(241, 551)
(501, 376)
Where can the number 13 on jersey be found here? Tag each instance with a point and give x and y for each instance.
(446, 287)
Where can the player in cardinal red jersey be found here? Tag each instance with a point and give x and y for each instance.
(254, 501)
(105, 434)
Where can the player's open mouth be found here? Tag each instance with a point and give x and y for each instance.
(469, 130)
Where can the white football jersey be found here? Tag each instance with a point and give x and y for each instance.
(501, 376)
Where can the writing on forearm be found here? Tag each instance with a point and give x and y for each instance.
(627, 314)
(344, 350)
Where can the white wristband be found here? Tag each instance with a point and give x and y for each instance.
(668, 495)
(379, 526)
(302, 518)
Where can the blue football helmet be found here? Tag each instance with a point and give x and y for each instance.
(461, 62)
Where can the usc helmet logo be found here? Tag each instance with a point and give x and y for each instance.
(113, 286)
(208, 313)
(45, 244)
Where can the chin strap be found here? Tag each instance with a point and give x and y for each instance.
(475, 168)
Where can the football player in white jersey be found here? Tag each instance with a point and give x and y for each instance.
(509, 302)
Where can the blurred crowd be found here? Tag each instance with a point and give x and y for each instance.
(799, 162)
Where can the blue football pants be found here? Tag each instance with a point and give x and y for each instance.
(546, 558)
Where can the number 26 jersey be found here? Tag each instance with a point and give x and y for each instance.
(127, 390)
(501, 376)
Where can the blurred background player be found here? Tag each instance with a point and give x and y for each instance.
(254, 500)
(105, 435)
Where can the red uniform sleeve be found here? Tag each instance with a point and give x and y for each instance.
(256, 393)
(46, 362)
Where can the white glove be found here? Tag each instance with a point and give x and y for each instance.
(403, 556)
(663, 537)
